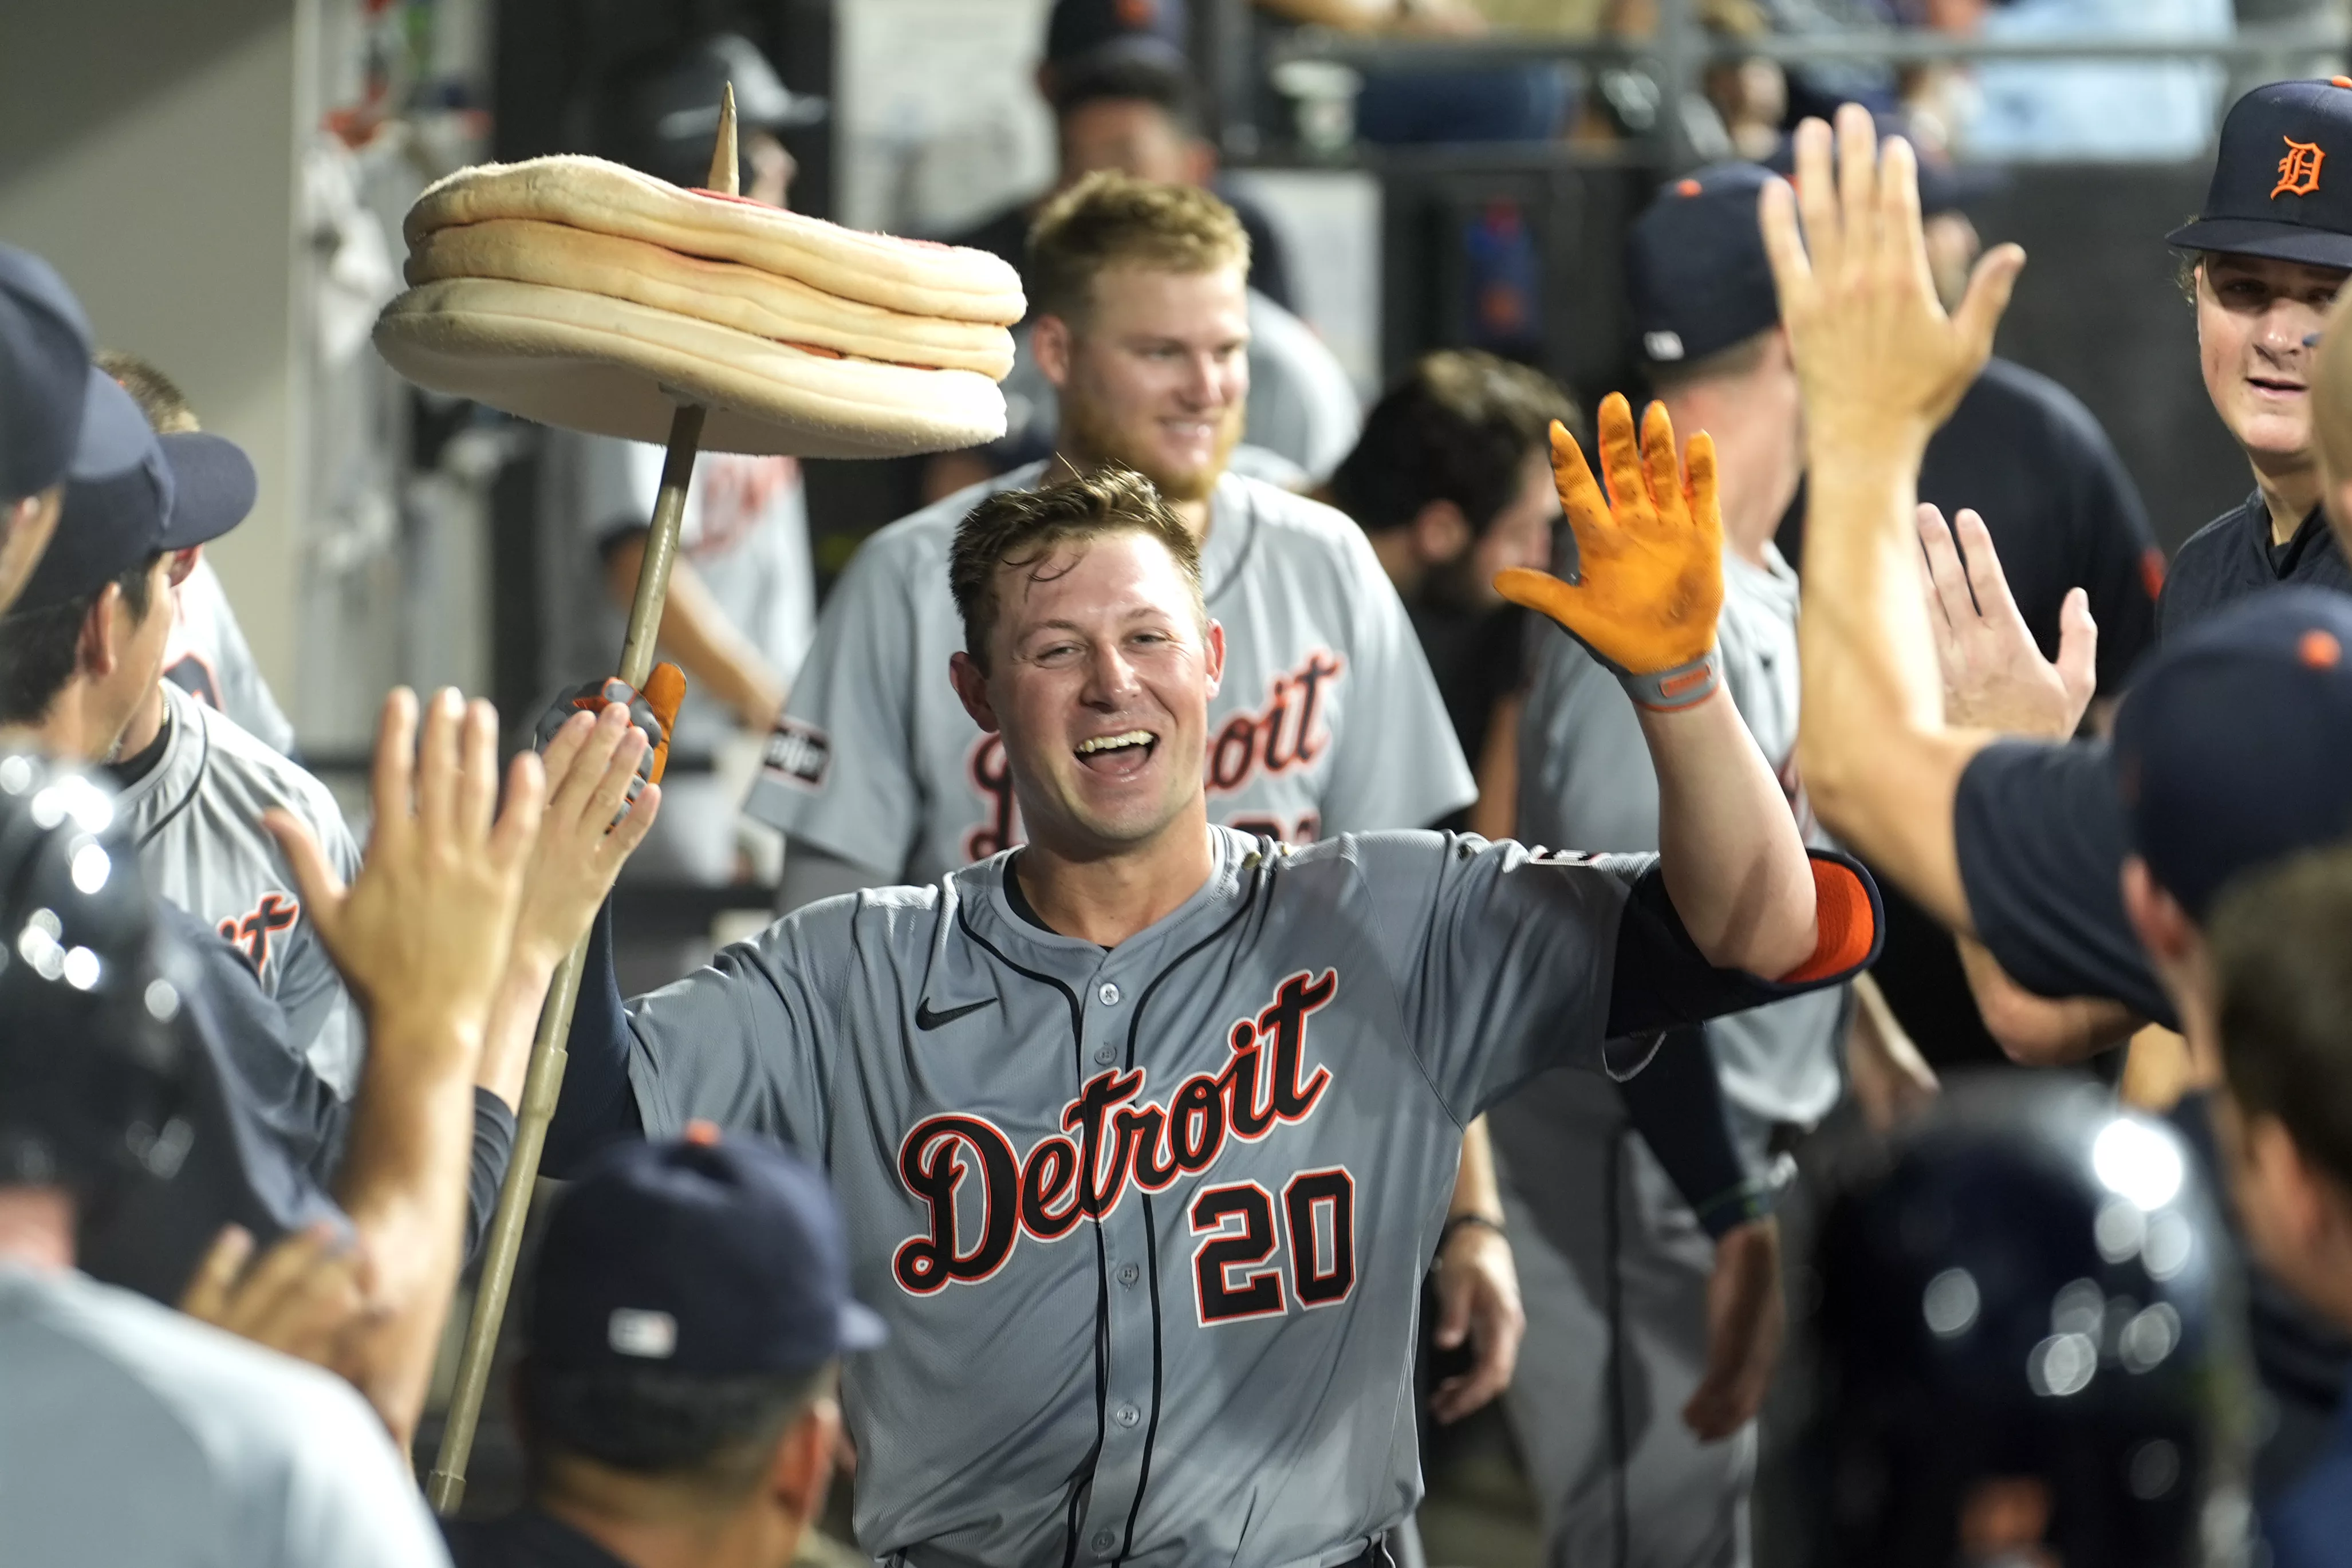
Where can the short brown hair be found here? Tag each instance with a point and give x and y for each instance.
(1108, 219)
(2283, 970)
(158, 396)
(1023, 528)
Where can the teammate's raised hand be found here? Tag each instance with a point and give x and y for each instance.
(1881, 364)
(1649, 556)
(306, 1296)
(426, 927)
(1994, 676)
(592, 827)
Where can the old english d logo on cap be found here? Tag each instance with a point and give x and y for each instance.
(2299, 170)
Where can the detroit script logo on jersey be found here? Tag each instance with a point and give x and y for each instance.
(1287, 735)
(255, 933)
(1113, 1139)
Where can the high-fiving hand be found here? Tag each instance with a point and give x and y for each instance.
(1994, 676)
(1648, 557)
(1880, 363)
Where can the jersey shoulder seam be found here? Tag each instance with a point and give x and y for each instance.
(1343, 848)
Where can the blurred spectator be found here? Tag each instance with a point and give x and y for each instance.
(130, 1432)
(687, 1319)
(2149, 110)
(1123, 107)
(2283, 972)
(1501, 104)
(1452, 482)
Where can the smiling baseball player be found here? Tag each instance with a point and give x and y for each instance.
(1146, 1130)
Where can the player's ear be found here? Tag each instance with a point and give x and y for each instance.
(1213, 656)
(103, 631)
(802, 1468)
(1049, 340)
(970, 684)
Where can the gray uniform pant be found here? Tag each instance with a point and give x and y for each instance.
(1614, 1266)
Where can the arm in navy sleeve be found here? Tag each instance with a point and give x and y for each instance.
(2117, 563)
(494, 1132)
(1661, 981)
(1676, 1104)
(597, 1105)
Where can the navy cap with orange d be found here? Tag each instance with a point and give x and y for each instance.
(2233, 748)
(2283, 177)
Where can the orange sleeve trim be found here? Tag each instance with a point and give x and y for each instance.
(1845, 927)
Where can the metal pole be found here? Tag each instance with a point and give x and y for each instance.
(543, 1084)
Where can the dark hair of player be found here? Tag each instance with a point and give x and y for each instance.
(1128, 79)
(1109, 219)
(710, 1437)
(40, 647)
(1455, 428)
(1023, 529)
(2284, 974)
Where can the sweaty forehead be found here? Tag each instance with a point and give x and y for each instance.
(1109, 577)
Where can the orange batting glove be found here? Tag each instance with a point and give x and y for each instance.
(652, 711)
(1649, 581)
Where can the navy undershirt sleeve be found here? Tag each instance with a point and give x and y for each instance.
(1676, 1104)
(494, 1130)
(2039, 830)
(597, 1104)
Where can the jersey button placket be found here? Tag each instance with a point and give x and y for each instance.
(1118, 1469)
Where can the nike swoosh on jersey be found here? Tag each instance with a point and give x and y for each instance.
(927, 1020)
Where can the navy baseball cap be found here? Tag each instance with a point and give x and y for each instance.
(1096, 30)
(1696, 269)
(2279, 189)
(174, 492)
(2234, 748)
(712, 1257)
(52, 415)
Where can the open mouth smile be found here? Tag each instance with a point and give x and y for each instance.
(1118, 755)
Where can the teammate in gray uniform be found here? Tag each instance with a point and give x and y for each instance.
(195, 784)
(1328, 719)
(1626, 1466)
(1146, 1130)
(206, 654)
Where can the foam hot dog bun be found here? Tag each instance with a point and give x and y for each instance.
(614, 367)
(724, 293)
(590, 193)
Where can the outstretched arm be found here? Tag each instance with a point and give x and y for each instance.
(1881, 367)
(1650, 586)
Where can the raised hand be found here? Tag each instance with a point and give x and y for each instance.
(1880, 363)
(1648, 557)
(596, 816)
(306, 1296)
(424, 928)
(1994, 676)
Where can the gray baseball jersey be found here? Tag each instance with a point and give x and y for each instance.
(1585, 778)
(1327, 720)
(197, 817)
(132, 1434)
(1148, 1222)
(206, 655)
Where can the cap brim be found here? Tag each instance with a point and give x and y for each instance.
(115, 437)
(861, 1327)
(213, 485)
(2257, 237)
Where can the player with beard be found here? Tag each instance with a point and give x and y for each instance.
(1452, 482)
(1327, 722)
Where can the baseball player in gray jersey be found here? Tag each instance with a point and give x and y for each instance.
(194, 784)
(1145, 1129)
(1628, 1466)
(206, 654)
